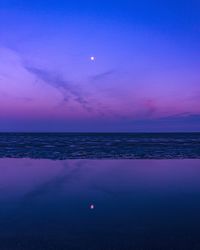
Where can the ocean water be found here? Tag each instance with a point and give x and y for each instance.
(99, 204)
(100, 146)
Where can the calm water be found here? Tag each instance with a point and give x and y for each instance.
(138, 204)
(98, 146)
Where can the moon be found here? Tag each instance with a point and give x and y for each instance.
(92, 58)
(92, 207)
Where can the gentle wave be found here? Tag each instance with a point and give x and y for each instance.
(100, 146)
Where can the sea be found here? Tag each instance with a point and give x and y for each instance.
(99, 191)
(60, 146)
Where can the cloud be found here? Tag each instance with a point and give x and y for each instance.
(66, 88)
(148, 108)
(103, 75)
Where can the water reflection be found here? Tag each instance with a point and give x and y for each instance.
(99, 204)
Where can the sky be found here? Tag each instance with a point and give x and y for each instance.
(144, 76)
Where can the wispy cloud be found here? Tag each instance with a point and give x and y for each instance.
(66, 88)
(104, 75)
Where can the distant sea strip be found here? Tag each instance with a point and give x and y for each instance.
(61, 146)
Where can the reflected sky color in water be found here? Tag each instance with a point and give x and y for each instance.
(138, 203)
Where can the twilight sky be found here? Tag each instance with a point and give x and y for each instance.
(145, 76)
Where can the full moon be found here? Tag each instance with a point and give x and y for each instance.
(92, 58)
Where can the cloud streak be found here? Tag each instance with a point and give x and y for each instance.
(103, 76)
(66, 88)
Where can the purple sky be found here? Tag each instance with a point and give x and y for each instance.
(145, 76)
